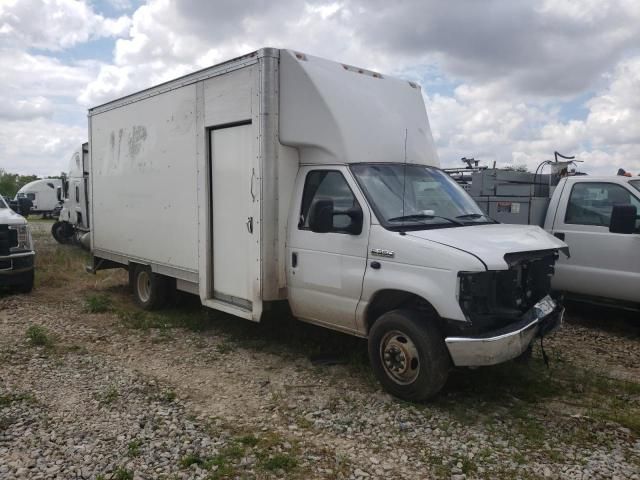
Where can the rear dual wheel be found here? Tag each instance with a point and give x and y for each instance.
(408, 355)
(150, 289)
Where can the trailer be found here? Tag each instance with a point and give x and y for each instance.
(283, 177)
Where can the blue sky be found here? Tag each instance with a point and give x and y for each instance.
(505, 81)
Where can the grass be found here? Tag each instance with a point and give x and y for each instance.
(97, 303)
(133, 448)
(108, 396)
(280, 461)
(266, 448)
(39, 336)
(9, 398)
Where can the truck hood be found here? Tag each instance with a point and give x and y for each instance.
(490, 243)
(9, 217)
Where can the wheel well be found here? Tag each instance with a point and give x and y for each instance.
(386, 300)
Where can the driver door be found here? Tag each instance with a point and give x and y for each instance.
(325, 270)
(602, 264)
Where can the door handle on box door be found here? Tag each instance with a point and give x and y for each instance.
(250, 224)
(294, 259)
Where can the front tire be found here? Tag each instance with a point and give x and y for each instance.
(150, 289)
(59, 231)
(408, 355)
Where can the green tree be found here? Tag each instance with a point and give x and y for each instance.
(10, 183)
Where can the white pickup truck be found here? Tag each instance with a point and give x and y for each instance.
(598, 218)
(16, 250)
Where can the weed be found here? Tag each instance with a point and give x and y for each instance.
(109, 396)
(39, 335)
(133, 449)
(249, 440)
(169, 396)
(225, 348)
(280, 461)
(191, 459)
(97, 303)
(9, 398)
(122, 473)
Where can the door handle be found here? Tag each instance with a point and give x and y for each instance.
(559, 235)
(250, 224)
(294, 259)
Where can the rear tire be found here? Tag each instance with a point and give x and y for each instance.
(27, 285)
(408, 355)
(150, 289)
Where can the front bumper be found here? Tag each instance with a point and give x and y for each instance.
(508, 342)
(16, 266)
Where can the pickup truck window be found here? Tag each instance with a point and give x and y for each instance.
(591, 203)
(327, 184)
(635, 184)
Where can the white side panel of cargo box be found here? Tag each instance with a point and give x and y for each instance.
(144, 180)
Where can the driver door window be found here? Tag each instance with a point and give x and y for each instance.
(327, 184)
(591, 203)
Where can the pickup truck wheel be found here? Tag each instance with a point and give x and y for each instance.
(27, 285)
(408, 355)
(149, 289)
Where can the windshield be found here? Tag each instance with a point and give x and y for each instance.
(635, 184)
(416, 196)
(2, 203)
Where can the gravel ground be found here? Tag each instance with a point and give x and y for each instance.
(192, 394)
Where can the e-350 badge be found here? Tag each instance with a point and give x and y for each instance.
(381, 252)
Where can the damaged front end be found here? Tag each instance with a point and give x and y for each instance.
(505, 309)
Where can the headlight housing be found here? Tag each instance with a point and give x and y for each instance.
(23, 237)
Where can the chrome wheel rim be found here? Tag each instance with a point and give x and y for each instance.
(399, 357)
(144, 286)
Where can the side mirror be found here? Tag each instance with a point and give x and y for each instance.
(322, 213)
(321, 216)
(623, 219)
(355, 214)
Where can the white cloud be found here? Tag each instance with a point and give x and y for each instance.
(38, 146)
(474, 122)
(513, 63)
(54, 24)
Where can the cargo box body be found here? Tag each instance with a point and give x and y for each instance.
(194, 177)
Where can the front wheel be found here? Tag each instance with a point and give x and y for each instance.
(408, 355)
(60, 231)
(149, 289)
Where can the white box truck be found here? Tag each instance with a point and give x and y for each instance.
(279, 176)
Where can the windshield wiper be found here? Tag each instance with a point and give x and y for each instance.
(423, 216)
(476, 215)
